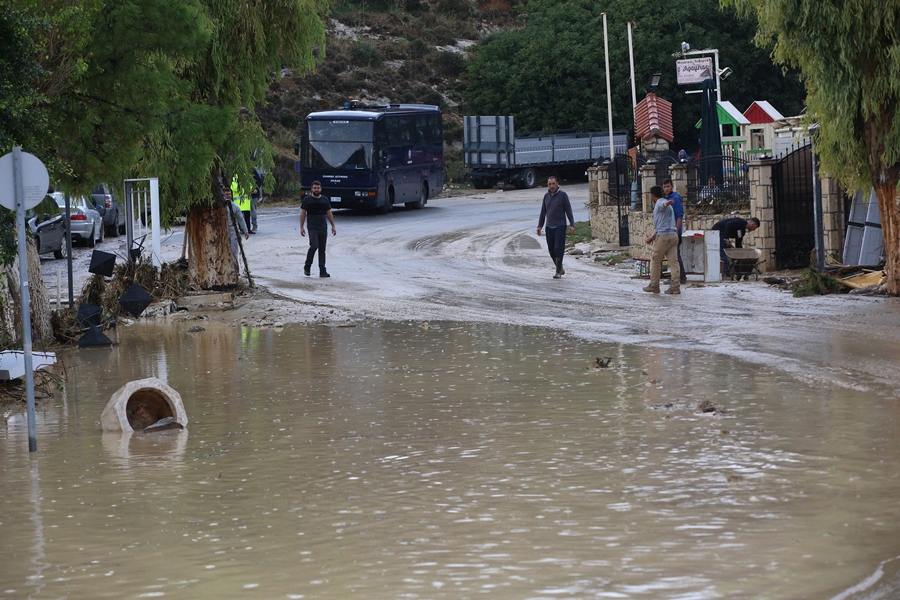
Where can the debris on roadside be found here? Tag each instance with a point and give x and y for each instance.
(710, 407)
(600, 363)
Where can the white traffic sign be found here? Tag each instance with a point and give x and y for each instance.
(35, 181)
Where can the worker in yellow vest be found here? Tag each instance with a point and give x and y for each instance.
(242, 199)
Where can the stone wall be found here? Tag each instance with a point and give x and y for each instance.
(833, 218)
(605, 226)
(640, 227)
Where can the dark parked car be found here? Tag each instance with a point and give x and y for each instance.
(112, 212)
(49, 234)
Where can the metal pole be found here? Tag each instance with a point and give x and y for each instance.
(129, 221)
(631, 60)
(612, 151)
(67, 225)
(154, 226)
(817, 213)
(718, 79)
(26, 296)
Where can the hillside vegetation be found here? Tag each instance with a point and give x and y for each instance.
(541, 61)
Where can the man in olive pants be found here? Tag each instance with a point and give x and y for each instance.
(665, 243)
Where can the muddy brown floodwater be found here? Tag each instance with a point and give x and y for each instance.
(403, 460)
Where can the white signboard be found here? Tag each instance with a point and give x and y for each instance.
(35, 181)
(694, 70)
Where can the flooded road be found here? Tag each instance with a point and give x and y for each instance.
(405, 460)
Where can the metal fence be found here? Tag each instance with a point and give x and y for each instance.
(624, 190)
(793, 203)
(722, 194)
(663, 163)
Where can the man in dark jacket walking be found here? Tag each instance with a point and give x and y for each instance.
(555, 209)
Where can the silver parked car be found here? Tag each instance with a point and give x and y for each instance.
(85, 223)
(112, 212)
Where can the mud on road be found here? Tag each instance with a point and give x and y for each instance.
(477, 258)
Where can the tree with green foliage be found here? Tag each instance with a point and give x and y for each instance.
(848, 53)
(551, 73)
(218, 134)
(150, 88)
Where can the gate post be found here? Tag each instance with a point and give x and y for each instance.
(678, 175)
(833, 213)
(598, 195)
(762, 206)
(648, 173)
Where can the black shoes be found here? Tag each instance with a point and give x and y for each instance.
(322, 272)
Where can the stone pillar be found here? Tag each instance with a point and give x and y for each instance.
(762, 206)
(648, 180)
(598, 196)
(678, 175)
(833, 217)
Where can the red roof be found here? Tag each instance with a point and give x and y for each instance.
(762, 112)
(653, 117)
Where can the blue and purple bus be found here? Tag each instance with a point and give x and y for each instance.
(374, 157)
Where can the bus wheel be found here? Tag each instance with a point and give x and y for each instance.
(388, 203)
(422, 201)
(529, 178)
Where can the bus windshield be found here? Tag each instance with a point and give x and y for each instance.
(345, 145)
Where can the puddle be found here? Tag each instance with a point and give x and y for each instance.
(448, 461)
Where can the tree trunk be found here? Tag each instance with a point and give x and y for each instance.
(11, 302)
(211, 263)
(889, 211)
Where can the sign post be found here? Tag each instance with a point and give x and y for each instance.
(25, 189)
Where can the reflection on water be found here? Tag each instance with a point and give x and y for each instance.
(448, 461)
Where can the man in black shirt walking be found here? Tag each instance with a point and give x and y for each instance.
(318, 207)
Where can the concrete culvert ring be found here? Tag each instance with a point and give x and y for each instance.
(142, 403)
(146, 407)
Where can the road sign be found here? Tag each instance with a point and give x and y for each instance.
(35, 181)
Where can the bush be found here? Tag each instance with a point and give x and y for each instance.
(440, 35)
(454, 8)
(415, 70)
(415, 7)
(417, 49)
(426, 95)
(366, 54)
(816, 284)
(449, 64)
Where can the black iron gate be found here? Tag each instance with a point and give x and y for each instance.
(663, 163)
(625, 189)
(793, 202)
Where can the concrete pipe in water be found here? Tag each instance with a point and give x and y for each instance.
(141, 403)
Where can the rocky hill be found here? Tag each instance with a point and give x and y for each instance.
(381, 51)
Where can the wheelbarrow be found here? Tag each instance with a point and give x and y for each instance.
(743, 262)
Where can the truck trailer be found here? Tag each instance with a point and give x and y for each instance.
(493, 153)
